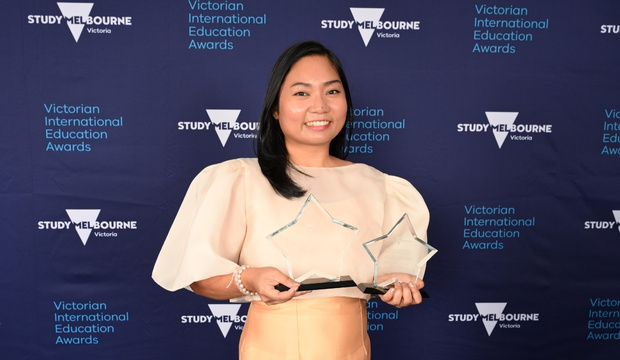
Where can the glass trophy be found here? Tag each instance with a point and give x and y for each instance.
(313, 246)
(399, 251)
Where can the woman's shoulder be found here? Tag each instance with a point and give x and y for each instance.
(230, 166)
(366, 170)
(227, 171)
(393, 183)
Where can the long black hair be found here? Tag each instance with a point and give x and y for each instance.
(271, 151)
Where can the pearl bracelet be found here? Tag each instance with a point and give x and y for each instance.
(239, 283)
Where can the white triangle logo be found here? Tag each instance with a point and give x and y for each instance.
(617, 217)
(486, 309)
(224, 121)
(86, 218)
(223, 314)
(362, 15)
(72, 10)
(500, 121)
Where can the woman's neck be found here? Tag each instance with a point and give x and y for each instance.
(312, 159)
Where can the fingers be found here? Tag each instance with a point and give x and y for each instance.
(273, 296)
(272, 286)
(281, 292)
(300, 293)
(418, 283)
(404, 294)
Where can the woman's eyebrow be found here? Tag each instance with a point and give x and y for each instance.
(327, 83)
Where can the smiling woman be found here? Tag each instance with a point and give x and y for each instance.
(219, 243)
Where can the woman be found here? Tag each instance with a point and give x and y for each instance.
(218, 244)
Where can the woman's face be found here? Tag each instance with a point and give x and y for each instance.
(312, 106)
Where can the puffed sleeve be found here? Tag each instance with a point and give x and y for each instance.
(206, 236)
(403, 198)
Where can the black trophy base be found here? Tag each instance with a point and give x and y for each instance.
(321, 284)
(370, 288)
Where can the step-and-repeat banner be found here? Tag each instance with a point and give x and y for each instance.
(504, 114)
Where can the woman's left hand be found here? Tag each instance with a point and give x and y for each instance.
(404, 292)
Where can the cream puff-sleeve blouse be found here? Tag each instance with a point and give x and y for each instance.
(230, 209)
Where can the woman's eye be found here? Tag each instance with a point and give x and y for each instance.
(300, 93)
(334, 91)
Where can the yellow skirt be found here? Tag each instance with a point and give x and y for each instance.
(312, 329)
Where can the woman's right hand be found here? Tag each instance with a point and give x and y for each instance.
(263, 280)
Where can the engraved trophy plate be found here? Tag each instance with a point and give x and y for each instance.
(313, 245)
(399, 251)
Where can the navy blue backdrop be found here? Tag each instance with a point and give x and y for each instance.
(504, 114)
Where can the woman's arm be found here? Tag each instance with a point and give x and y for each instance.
(260, 280)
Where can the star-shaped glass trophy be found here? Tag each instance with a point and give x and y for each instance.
(400, 251)
(314, 245)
